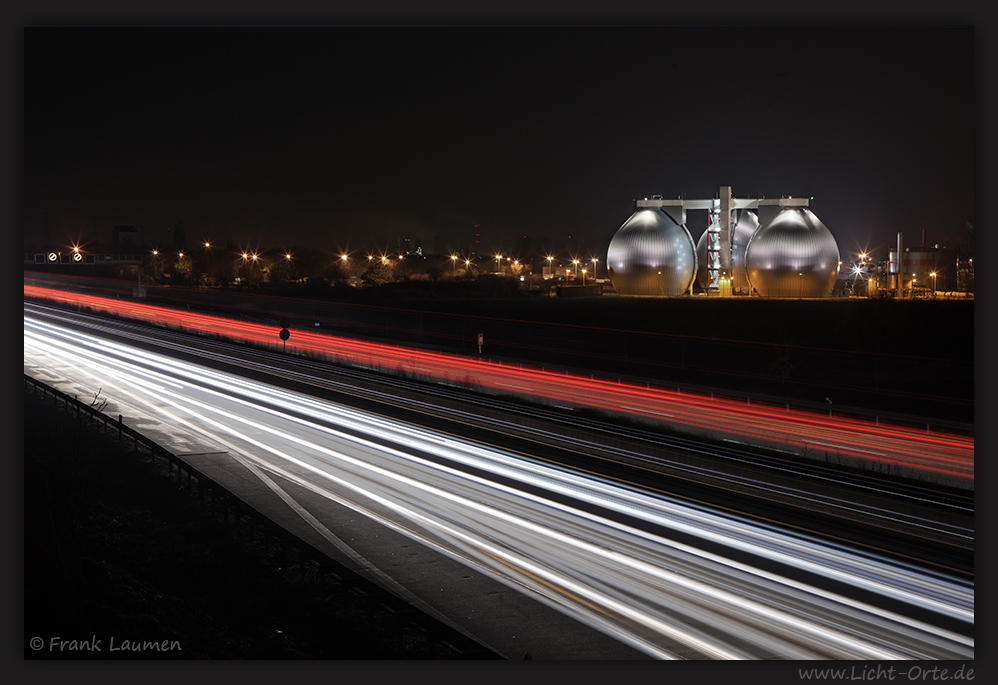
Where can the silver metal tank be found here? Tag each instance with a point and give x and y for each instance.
(651, 254)
(793, 255)
(744, 224)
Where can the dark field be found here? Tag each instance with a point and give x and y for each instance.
(913, 357)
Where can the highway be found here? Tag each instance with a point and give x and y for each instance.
(666, 577)
(902, 450)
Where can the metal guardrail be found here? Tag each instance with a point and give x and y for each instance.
(409, 629)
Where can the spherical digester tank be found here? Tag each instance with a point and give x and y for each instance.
(743, 225)
(651, 254)
(793, 255)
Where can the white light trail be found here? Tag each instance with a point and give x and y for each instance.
(641, 587)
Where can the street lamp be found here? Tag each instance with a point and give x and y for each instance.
(207, 253)
(583, 277)
(498, 262)
(453, 263)
(933, 274)
(576, 262)
(595, 265)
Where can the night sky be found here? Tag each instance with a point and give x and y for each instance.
(333, 137)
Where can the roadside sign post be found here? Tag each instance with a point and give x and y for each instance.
(285, 333)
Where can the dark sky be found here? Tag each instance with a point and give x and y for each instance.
(333, 136)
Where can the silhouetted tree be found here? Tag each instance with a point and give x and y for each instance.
(284, 271)
(965, 240)
(377, 273)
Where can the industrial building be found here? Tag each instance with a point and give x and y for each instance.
(923, 270)
(755, 246)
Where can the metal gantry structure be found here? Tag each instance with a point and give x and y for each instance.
(719, 233)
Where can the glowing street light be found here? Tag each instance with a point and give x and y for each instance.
(453, 263)
(248, 258)
(594, 260)
(933, 274)
(583, 277)
(207, 258)
(576, 262)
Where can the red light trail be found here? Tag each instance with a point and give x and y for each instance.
(905, 450)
